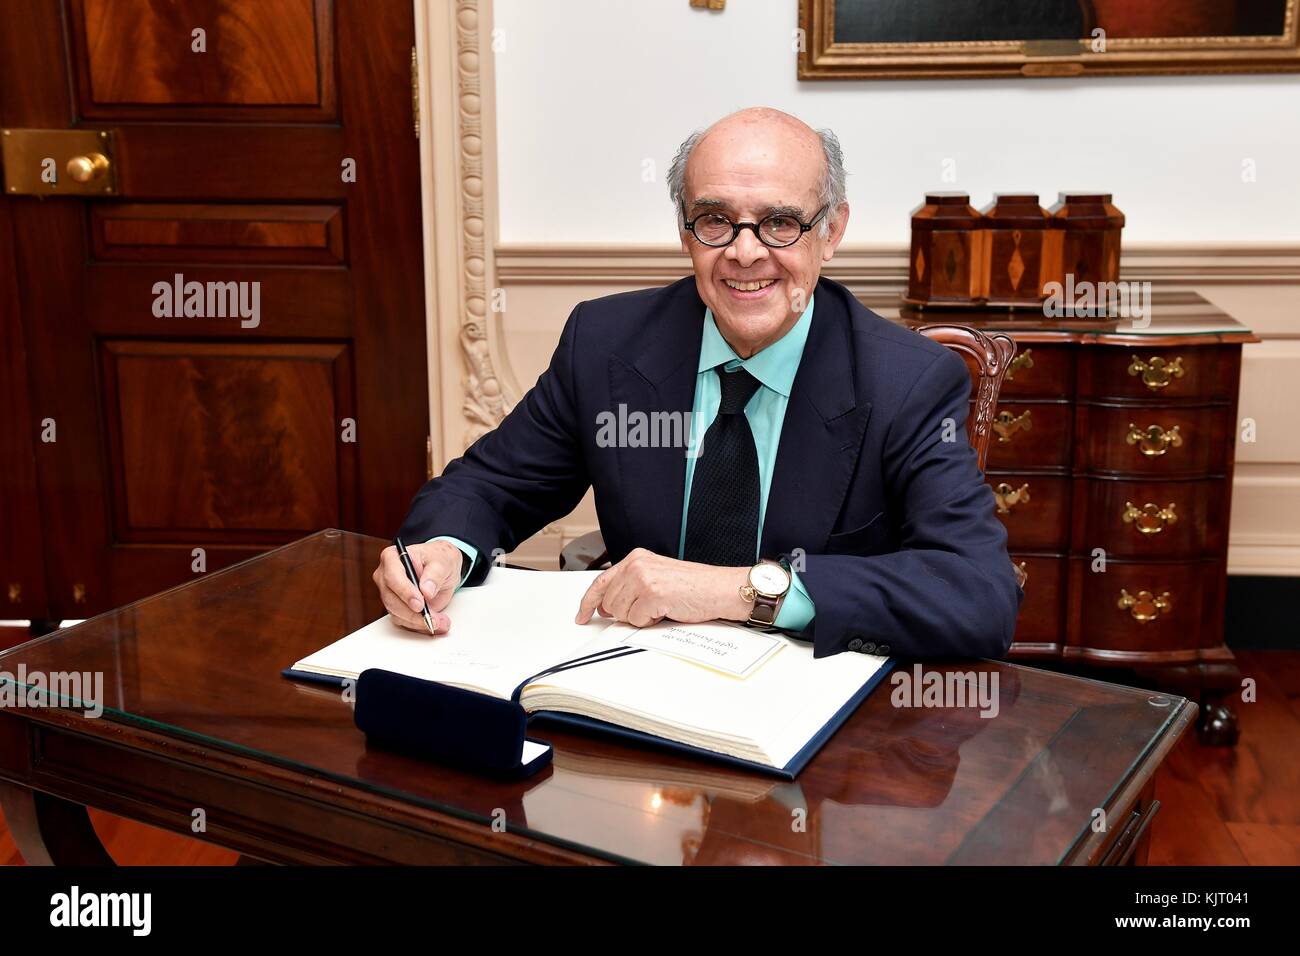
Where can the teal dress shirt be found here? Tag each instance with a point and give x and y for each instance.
(775, 368)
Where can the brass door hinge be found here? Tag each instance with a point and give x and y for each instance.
(415, 93)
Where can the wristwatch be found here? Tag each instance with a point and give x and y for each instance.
(766, 589)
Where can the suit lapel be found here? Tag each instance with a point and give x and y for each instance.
(820, 437)
(658, 375)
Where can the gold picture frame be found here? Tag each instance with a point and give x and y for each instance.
(893, 54)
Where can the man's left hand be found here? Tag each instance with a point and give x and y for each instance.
(644, 588)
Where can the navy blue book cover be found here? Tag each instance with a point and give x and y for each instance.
(788, 772)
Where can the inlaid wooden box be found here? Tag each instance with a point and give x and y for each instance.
(946, 262)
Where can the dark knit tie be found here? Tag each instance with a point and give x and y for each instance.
(722, 521)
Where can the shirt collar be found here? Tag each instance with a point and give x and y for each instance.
(774, 366)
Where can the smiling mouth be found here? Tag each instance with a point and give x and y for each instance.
(753, 286)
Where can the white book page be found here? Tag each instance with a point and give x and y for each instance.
(517, 623)
(533, 750)
(725, 647)
(776, 710)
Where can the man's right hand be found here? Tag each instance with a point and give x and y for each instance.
(438, 564)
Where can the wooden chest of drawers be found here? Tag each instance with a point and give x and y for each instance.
(1112, 469)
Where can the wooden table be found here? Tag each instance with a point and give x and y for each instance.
(198, 724)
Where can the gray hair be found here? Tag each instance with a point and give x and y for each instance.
(830, 189)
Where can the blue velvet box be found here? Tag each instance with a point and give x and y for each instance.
(446, 724)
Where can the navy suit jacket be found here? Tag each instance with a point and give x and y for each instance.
(890, 526)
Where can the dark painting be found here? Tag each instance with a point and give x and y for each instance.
(946, 21)
(937, 38)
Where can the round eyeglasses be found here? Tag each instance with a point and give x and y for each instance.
(777, 231)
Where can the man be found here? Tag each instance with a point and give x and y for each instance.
(826, 486)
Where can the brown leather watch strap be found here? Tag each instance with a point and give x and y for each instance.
(766, 608)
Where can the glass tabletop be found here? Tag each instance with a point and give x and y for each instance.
(1014, 778)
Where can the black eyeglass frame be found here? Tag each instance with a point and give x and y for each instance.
(737, 226)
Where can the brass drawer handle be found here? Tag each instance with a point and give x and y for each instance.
(1153, 441)
(1008, 497)
(1006, 425)
(1146, 607)
(1150, 518)
(1023, 361)
(1157, 373)
(15, 592)
(1022, 577)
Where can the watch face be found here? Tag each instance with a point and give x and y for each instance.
(769, 579)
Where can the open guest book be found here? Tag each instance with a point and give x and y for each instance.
(737, 694)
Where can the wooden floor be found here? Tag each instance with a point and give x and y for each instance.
(1218, 805)
(1238, 805)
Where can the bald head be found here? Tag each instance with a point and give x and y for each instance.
(755, 143)
(764, 124)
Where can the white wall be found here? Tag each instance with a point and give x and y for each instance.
(587, 90)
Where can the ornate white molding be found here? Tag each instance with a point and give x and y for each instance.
(485, 400)
(459, 172)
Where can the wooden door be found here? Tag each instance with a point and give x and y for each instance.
(265, 154)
